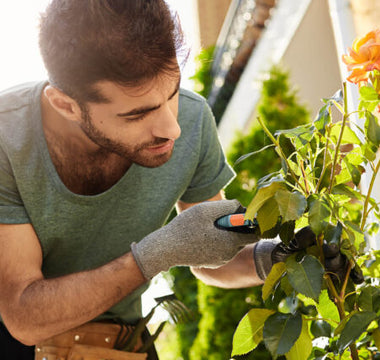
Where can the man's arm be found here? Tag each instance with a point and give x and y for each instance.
(34, 308)
(240, 272)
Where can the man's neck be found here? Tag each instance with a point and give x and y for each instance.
(83, 166)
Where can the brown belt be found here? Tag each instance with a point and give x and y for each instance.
(91, 341)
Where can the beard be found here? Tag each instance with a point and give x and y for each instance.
(134, 154)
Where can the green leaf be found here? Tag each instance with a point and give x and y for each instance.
(369, 98)
(369, 299)
(323, 119)
(287, 231)
(343, 189)
(327, 309)
(264, 193)
(243, 157)
(376, 337)
(249, 332)
(355, 235)
(272, 279)
(333, 234)
(348, 137)
(372, 129)
(357, 324)
(319, 213)
(303, 133)
(337, 97)
(303, 346)
(320, 328)
(372, 267)
(291, 204)
(354, 172)
(281, 331)
(267, 215)
(305, 276)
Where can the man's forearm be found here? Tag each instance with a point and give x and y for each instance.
(47, 307)
(240, 272)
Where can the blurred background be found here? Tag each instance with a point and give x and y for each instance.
(270, 58)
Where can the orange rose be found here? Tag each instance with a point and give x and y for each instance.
(364, 56)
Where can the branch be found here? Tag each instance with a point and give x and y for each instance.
(282, 155)
(337, 148)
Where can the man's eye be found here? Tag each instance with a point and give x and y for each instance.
(135, 117)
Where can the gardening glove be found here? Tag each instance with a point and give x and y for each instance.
(192, 239)
(269, 252)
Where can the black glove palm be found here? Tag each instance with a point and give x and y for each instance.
(335, 262)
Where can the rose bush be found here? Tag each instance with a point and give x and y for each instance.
(312, 313)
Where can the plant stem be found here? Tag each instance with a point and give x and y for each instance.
(304, 178)
(337, 148)
(354, 352)
(343, 290)
(366, 202)
(339, 301)
(324, 166)
(282, 155)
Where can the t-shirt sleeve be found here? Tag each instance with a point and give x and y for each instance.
(12, 210)
(213, 172)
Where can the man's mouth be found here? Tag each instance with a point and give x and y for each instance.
(162, 148)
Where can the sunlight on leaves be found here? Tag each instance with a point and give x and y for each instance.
(249, 332)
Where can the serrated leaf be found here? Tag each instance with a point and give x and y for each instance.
(249, 332)
(343, 189)
(287, 232)
(302, 133)
(376, 337)
(337, 97)
(281, 332)
(243, 157)
(291, 204)
(303, 346)
(305, 276)
(333, 234)
(323, 119)
(272, 279)
(319, 213)
(267, 215)
(348, 137)
(372, 129)
(263, 194)
(357, 324)
(327, 309)
(355, 235)
(354, 171)
(369, 299)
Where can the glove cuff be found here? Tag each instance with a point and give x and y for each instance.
(262, 256)
(144, 271)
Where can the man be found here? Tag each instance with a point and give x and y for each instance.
(91, 164)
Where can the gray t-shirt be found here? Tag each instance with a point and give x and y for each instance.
(80, 232)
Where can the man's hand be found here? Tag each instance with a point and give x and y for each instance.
(192, 239)
(269, 252)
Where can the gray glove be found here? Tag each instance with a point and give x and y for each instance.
(192, 239)
(269, 252)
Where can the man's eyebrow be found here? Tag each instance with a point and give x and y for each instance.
(145, 109)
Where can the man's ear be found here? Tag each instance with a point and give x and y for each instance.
(62, 103)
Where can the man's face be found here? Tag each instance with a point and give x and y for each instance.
(139, 123)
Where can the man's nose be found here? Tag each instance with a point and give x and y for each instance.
(166, 124)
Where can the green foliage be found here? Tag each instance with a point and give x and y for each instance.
(278, 108)
(186, 288)
(202, 77)
(318, 185)
(221, 311)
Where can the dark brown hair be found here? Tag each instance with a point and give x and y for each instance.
(124, 41)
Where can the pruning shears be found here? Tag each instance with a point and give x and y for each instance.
(237, 222)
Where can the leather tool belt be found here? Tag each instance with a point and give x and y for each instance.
(91, 341)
